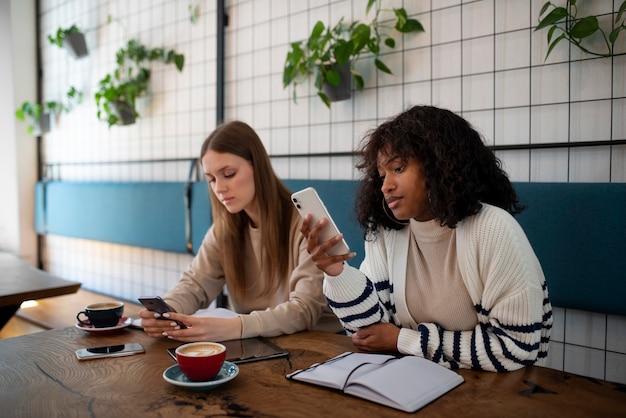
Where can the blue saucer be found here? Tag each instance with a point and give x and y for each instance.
(175, 376)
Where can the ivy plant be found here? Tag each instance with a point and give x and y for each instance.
(565, 24)
(130, 80)
(344, 43)
(32, 112)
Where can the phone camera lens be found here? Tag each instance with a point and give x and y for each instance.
(298, 206)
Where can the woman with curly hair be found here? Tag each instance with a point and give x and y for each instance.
(448, 273)
(254, 248)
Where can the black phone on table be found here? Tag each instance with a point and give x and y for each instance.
(157, 304)
(308, 201)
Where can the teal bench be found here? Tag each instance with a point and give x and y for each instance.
(576, 229)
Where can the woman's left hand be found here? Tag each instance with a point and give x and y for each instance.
(377, 337)
(203, 329)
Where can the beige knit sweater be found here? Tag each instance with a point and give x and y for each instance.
(298, 305)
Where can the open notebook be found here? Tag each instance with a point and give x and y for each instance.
(406, 383)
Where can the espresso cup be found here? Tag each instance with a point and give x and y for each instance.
(201, 361)
(101, 314)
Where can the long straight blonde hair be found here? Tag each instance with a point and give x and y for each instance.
(275, 207)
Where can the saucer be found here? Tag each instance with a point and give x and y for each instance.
(123, 323)
(175, 376)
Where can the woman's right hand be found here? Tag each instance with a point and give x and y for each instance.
(332, 265)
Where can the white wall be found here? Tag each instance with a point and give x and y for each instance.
(479, 58)
(18, 154)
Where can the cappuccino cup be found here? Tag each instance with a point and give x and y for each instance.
(201, 361)
(101, 314)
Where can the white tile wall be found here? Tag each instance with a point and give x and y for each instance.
(481, 58)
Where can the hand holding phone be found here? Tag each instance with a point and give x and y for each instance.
(308, 201)
(157, 304)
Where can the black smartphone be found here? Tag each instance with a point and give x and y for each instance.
(157, 304)
(109, 351)
(247, 350)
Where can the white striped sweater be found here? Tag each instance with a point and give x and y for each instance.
(501, 273)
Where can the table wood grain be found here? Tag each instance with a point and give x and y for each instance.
(40, 376)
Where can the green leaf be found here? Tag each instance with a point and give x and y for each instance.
(406, 25)
(614, 33)
(317, 31)
(370, 3)
(343, 50)
(620, 12)
(381, 66)
(553, 44)
(333, 77)
(358, 80)
(324, 98)
(179, 60)
(390, 42)
(544, 8)
(411, 25)
(556, 15)
(360, 36)
(551, 32)
(585, 27)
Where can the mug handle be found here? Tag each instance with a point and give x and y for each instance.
(80, 320)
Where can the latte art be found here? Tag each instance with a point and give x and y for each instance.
(201, 350)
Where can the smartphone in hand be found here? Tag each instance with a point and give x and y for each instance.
(308, 201)
(157, 304)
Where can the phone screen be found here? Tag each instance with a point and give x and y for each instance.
(109, 351)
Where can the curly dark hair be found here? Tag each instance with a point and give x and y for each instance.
(460, 171)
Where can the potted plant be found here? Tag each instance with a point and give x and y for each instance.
(575, 30)
(329, 51)
(40, 116)
(71, 38)
(118, 91)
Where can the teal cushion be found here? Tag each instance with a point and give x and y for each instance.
(577, 231)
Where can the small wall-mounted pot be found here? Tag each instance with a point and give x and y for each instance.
(75, 44)
(124, 112)
(343, 90)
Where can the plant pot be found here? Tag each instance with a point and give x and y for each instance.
(75, 44)
(343, 90)
(124, 112)
(41, 125)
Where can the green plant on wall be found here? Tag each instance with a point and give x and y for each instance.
(72, 38)
(37, 114)
(118, 91)
(564, 24)
(328, 48)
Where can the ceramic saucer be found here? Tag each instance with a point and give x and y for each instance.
(175, 376)
(123, 323)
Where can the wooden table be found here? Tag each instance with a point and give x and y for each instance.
(40, 376)
(19, 281)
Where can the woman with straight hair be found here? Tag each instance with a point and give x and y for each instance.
(253, 248)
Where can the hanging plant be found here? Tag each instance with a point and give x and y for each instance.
(565, 22)
(118, 91)
(72, 38)
(40, 116)
(329, 49)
